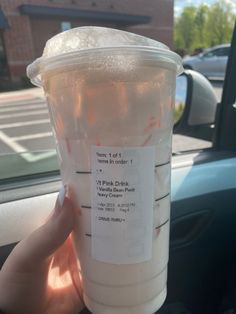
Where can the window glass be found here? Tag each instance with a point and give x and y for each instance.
(3, 61)
(27, 145)
(65, 26)
(212, 53)
(224, 52)
(219, 52)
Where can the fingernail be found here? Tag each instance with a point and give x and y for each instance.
(61, 195)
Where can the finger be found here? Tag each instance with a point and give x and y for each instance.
(65, 259)
(61, 257)
(75, 272)
(43, 242)
(63, 281)
(64, 301)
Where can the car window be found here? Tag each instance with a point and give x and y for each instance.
(212, 53)
(27, 145)
(224, 52)
(219, 52)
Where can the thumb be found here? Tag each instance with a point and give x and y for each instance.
(31, 252)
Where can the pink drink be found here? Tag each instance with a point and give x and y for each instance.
(111, 111)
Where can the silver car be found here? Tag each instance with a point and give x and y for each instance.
(211, 63)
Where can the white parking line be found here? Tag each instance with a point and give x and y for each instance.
(28, 156)
(25, 107)
(15, 146)
(36, 112)
(31, 136)
(20, 124)
(22, 102)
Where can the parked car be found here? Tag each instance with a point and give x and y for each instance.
(211, 63)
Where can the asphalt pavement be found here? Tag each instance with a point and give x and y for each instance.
(25, 125)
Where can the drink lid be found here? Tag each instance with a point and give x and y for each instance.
(78, 45)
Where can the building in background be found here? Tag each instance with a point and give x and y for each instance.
(25, 25)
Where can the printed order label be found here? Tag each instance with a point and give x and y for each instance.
(122, 203)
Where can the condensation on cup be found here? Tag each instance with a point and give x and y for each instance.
(111, 96)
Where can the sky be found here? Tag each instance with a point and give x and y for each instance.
(179, 4)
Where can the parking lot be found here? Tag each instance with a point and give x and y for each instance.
(25, 127)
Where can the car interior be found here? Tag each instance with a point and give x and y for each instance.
(202, 258)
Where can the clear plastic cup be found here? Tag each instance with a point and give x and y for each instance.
(111, 96)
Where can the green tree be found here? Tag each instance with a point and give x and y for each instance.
(201, 20)
(220, 23)
(185, 29)
(204, 26)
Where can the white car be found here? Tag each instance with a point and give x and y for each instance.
(211, 63)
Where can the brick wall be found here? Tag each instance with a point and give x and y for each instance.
(18, 45)
(25, 38)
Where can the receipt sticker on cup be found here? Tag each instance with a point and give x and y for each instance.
(122, 203)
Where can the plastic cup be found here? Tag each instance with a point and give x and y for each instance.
(111, 110)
